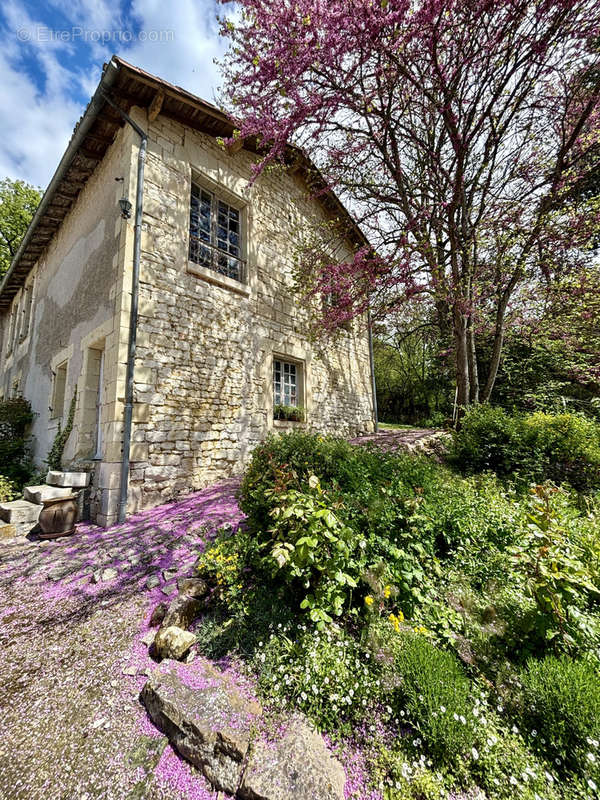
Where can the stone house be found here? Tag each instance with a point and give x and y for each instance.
(220, 339)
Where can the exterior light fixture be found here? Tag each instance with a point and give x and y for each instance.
(124, 203)
(125, 206)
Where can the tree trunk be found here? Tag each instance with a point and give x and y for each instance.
(472, 360)
(494, 363)
(462, 361)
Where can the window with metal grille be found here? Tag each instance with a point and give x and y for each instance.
(215, 234)
(285, 383)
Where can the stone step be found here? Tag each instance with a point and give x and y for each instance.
(20, 511)
(37, 494)
(76, 480)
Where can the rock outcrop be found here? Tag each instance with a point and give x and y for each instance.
(219, 729)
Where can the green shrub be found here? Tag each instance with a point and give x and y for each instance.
(505, 768)
(560, 712)
(323, 673)
(550, 559)
(436, 695)
(526, 448)
(8, 490)
(15, 418)
(297, 455)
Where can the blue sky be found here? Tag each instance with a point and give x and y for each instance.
(51, 56)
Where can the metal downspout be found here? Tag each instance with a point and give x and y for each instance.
(133, 314)
(373, 384)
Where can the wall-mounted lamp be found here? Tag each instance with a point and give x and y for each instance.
(124, 203)
(125, 206)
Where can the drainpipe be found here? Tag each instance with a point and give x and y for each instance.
(133, 314)
(373, 384)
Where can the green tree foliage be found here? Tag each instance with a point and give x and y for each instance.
(414, 377)
(18, 202)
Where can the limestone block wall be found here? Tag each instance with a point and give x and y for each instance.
(78, 297)
(203, 376)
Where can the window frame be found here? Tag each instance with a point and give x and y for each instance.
(55, 413)
(211, 265)
(26, 311)
(299, 368)
(12, 328)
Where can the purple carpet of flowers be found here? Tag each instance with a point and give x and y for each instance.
(74, 614)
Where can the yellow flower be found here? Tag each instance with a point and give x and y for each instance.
(395, 622)
(387, 591)
(369, 600)
(401, 616)
(420, 629)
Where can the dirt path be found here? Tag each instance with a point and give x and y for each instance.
(72, 616)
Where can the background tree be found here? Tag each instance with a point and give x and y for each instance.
(456, 131)
(18, 202)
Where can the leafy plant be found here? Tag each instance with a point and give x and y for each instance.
(556, 577)
(308, 543)
(8, 490)
(291, 413)
(324, 673)
(560, 709)
(15, 418)
(436, 696)
(54, 459)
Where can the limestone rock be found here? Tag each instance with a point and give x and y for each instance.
(38, 494)
(108, 574)
(182, 611)
(20, 511)
(173, 642)
(208, 721)
(194, 587)
(7, 531)
(152, 582)
(158, 615)
(297, 766)
(78, 480)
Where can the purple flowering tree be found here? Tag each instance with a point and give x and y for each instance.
(456, 131)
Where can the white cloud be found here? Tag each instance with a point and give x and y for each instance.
(187, 59)
(46, 82)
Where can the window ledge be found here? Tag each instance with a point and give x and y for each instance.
(289, 423)
(215, 278)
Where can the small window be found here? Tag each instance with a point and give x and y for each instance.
(58, 393)
(215, 234)
(26, 312)
(287, 390)
(285, 383)
(11, 331)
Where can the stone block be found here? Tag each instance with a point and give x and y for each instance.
(76, 480)
(37, 494)
(20, 512)
(7, 531)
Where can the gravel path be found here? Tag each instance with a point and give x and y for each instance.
(73, 613)
(391, 440)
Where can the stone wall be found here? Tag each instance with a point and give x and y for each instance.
(78, 298)
(203, 373)
(203, 377)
